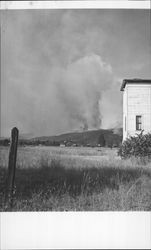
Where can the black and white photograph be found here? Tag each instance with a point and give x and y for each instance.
(75, 128)
(76, 92)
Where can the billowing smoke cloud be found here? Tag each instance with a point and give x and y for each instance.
(56, 79)
(79, 96)
(82, 95)
(80, 90)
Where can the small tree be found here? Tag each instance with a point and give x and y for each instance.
(137, 146)
(101, 140)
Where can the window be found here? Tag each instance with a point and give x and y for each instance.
(138, 122)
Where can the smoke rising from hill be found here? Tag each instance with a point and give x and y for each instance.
(79, 91)
(77, 96)
(62, 69)
(70, 98)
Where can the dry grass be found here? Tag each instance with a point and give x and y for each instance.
(76, 179)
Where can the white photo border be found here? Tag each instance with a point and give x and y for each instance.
(74, 230)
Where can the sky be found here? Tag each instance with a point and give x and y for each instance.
(61, 70)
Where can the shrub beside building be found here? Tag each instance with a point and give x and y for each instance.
(137, 146)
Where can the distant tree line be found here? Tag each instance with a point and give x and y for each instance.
(4, 142)
(109, 140)
(103, 140)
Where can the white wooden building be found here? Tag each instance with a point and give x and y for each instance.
(136, 106)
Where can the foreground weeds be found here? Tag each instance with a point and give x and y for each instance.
(114, 186)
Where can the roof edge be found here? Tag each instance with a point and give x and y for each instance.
(133, 81)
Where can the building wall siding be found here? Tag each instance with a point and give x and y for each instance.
(136, 101)
(125, 113)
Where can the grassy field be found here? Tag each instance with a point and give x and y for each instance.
(76, 179)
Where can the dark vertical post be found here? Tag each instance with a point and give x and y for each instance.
(11, 168)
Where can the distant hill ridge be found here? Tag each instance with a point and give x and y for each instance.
(91, 137)
(102, 137)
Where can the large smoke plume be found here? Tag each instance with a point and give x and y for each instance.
(55, 81)
(80, 88)
(82, 95)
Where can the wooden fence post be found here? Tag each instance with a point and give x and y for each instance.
(11, 169)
